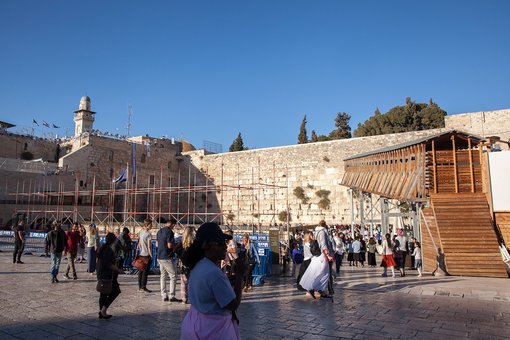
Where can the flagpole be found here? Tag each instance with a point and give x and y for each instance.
(125, 193)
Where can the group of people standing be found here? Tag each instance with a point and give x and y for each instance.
(395, 252)
(323, 246)
(315, 273)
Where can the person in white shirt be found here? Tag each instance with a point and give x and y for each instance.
(417, 257)
(401, 251)
(356, 249)
(339, 251)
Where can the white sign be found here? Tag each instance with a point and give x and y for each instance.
(499, 165)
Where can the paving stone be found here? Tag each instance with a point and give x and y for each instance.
(365, 306)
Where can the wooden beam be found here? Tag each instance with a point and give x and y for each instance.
(434, 165)
(455, 165)
(471, 166)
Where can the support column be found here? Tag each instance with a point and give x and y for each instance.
(362, 211)
(384, 216)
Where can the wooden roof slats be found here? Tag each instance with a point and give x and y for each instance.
(448, 163)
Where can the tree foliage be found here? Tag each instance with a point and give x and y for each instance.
(410, 117)
(343, 129)
(282, 216)
(302, 137)
(323, 138)
(313, 137)
(237, 144)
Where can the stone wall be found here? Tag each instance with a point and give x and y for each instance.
(13, 146)
(484, 123)
(254, 186)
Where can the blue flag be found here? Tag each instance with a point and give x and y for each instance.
(122, 177)
(45, 124)
(35, 122)
(55, 127)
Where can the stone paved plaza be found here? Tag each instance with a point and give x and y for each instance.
(366, 306)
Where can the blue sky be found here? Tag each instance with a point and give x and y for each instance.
(206, 70)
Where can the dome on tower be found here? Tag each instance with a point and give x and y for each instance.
(85, 103)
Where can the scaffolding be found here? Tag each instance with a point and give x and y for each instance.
(121, 204)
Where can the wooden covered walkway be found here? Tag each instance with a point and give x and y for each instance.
(446, 175)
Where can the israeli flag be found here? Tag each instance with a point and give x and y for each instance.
(122, 177)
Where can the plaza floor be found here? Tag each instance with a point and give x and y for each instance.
(365, 306)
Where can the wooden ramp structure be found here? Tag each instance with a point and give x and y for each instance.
(446, 175)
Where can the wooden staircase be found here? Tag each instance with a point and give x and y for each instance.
(429, 245)
(462, 227)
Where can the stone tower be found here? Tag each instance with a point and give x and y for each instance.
(83, 117)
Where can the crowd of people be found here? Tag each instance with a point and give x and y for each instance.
(215, 269)
(319, 255)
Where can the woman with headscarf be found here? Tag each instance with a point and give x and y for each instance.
(213, 300)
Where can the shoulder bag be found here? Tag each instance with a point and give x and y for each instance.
(104, 286)
(141, 263)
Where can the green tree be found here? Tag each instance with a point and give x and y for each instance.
(410, 117)
(282, 216)
(313, 137)
(323, 138)
(302, 137)
(343, 129)
(238, 144)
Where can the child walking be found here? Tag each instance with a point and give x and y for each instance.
(417, 257)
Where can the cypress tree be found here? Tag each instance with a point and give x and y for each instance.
(238, 144)
(302, 137)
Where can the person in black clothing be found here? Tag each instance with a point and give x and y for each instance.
(56, 243)
(122, 247)
(107, 270)
(19, 242)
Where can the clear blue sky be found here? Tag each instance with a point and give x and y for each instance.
(206, 70)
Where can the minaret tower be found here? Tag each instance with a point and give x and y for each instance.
(83, 117)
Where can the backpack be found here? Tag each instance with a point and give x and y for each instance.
(315, 249)
(298, 258)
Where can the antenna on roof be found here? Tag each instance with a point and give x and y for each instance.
(129, 121)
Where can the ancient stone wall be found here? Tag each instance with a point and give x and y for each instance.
(255, 186)
(484, 123)
(14, 146)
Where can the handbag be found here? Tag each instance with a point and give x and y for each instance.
(104, 286)
(141, 263)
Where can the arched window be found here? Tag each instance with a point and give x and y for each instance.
(143, 158)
